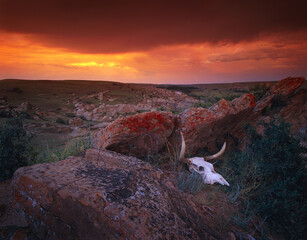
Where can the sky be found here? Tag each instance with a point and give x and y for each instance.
(153, 41)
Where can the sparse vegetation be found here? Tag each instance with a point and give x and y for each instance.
(192, 182)
(60, 120)
(70, 115)
(161, 109)
(206, 101)
(259, 90)
(16, 90)
(15, 148)
(181, 88)
(74, 147)
(268, 178)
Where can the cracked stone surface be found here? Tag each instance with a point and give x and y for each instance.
(104, 195)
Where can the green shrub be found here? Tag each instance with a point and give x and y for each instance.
(70, 114)
(202, 104)
(271, 175)
(15, 148)
(162, 109)
(60, 120)
(259, 90)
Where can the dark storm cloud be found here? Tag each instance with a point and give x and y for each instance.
(129, 25)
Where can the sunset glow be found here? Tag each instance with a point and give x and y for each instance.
(268, 56)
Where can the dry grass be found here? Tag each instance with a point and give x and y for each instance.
(216, 208)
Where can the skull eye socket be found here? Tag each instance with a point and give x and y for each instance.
(201, 169)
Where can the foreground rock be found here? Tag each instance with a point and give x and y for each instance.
(137, 135)
(104, 196)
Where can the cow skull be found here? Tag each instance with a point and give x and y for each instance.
(205, 169)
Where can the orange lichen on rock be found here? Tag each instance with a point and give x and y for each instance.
(287, 86)
(137, 134)
(284, 87)
(145, 122)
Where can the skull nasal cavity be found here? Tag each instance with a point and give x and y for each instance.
(201, 169)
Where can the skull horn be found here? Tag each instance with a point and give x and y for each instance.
(182, 151)
(220, 153)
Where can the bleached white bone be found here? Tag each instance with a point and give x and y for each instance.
(205, 169)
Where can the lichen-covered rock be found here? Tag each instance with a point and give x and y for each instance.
(136, 135)
(105, 195)
(284, 88)
(75, 122)
(296, 110)
(204, 127)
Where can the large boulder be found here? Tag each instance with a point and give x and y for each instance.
(105, 195)
(136, 135)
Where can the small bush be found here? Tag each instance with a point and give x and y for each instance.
(161, 109)
(5, 114)
(271, 174)
(60, 120)
(230, 97)
(15, 148)
(259, 90)
(70, 115)
(16, 90)
(202, 104)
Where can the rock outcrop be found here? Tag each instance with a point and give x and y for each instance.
(201, 127)
(136, 135)
(296, 110)
(75, 122)
(284, 87)
(152, 99)
(24, 107)
(105, 195)
(205, 127)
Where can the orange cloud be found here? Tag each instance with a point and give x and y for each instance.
(269, 58)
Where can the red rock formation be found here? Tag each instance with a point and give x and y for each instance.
(204, 127)
(75, 122)
(136, 135)
(284, 88)
(147, 132)
(224, 120)
(106, 195)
